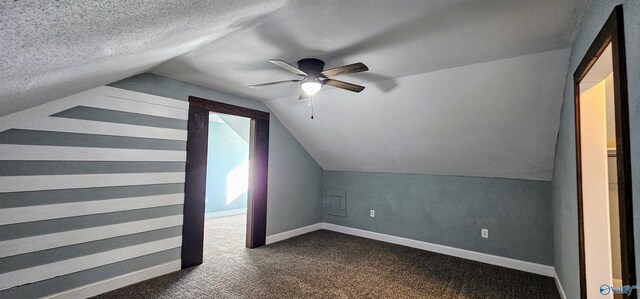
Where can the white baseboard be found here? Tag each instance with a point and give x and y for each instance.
(292, 233)
(135, 277)
(452, 251)
(119, 281)
(461, 253)
(225, 213)
(559, 285)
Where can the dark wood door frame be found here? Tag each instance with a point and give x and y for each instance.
(196, 172)
(611, 33)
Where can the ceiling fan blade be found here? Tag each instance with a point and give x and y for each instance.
(344, 85)
(283, 64)
(345, 69)
(273, 83)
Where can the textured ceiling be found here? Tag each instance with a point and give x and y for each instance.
(395, 39)
(51, 49)
(456, 87)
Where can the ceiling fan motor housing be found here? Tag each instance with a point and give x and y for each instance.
(312, 66)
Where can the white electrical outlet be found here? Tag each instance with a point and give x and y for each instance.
(372, 213)
(485, 233)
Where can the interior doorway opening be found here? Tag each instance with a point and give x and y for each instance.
(599, 177)
(255, 171)
(607, 260)
(227, 182)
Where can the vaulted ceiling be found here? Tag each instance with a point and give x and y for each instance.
(52, 49)
(455, 87)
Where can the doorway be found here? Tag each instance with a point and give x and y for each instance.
(607, 260)
(227, 165)
(227, 176)
(201, 113)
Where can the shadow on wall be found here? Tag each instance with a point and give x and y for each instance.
(227, 163)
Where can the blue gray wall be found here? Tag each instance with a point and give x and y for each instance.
(295, 179)
(451, 210)
(226, 151)
(564, 186)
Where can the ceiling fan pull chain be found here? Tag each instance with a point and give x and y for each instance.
(311, 104)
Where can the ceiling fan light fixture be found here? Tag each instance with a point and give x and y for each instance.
(311, 87)
(313, 76)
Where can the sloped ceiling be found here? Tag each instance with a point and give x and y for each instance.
(51, 49)
(456, 87)
(495, 119)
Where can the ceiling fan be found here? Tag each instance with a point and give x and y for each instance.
(314, 75)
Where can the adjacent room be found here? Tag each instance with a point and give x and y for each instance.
(319, 149)
(227, 178)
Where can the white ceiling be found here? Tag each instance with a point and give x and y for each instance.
(52, 49)
(394, 40)
(240, 125)
(599, 71)
(602, 70)
(488, 119)
(456, 87)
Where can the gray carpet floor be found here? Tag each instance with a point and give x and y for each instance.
(325, 264)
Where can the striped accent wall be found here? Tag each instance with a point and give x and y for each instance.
(91, 193)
